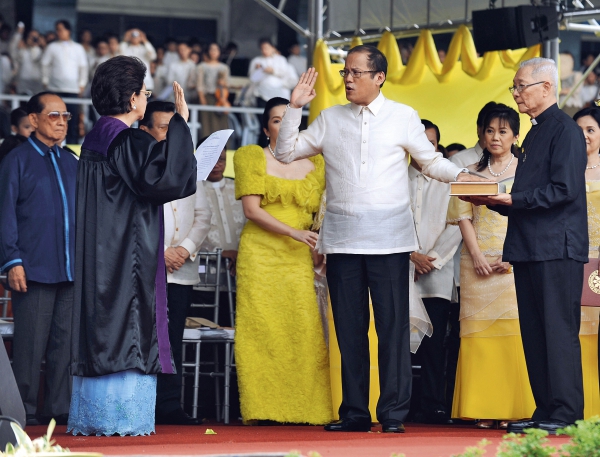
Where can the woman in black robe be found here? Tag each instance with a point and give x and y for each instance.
(120, 335)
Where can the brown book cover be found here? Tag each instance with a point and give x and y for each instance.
(476, 188)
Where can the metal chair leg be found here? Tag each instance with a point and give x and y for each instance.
(196, 381)
(226, 382)
(217, 387)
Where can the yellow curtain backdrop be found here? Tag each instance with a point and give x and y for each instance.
(449, 94)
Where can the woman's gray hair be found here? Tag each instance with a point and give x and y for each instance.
(543, 66)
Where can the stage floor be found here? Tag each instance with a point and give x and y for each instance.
(239, 440)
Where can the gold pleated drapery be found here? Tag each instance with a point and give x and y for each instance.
(449, 94)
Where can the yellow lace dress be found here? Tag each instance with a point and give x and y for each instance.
(281, 355)
(588, 335)
(491, 377)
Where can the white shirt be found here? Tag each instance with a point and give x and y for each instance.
(467, 157)
(169, 58)
(65, 67)
(278, 84)
(146, 53)
(228, 217)
(27, 63)
(299, 63)
(366, 165)
(187, 222)
(429, 202)
(184, 73)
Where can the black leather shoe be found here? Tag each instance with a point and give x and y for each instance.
(392, 426)
(519, 426)
(30, 419)
(177, 417)
(552, 426)
(349, 425)
(62, 419)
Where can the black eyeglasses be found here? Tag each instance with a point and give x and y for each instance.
(356, 73)
(521, 87)
(55, 115)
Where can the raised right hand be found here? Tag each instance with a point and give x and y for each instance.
(304, 92)
(306, 237)
(180, 103)
(17, 279)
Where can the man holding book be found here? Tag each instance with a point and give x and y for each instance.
(547, 243)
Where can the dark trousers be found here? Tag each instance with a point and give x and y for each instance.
(43, 329)
(73, 126)
(168, 386)
(549, 297)
(433, 361)
(350, 278)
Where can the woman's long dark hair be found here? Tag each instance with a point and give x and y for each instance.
(505, 115)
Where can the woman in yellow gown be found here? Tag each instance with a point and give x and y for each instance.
(589, 121)
(491, 378)
(281, 355)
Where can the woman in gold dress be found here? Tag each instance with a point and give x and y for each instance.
(281, 354)
(589, 121)
(491, 378)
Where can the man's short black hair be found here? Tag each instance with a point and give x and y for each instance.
(489, 106)
(375, 58)
(265, 40)
(35, 105)
(66, 24)
(157, 106)
(430, 125)
(455, 147)
(115, 81)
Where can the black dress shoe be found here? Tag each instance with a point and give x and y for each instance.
(433, 417)
(392, 426)
(176, 417)
(30, 419)
(62, 419)
(519, 426)
(552, 426)
(349, 425)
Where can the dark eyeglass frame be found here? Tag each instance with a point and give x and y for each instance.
(356, 74)
(521, 87)
(55, 115)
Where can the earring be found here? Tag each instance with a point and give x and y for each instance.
(268, 139)
(133, 107)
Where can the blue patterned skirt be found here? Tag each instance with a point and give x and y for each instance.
(120, 403)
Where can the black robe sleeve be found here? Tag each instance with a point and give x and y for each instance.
(158, 172)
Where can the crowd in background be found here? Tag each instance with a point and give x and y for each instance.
(31, 61)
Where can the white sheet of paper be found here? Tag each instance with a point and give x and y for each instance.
(208, 152)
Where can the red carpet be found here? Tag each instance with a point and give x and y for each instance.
(419, 440)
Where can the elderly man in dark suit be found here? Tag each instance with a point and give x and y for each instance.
(37, 228)
(547, 242)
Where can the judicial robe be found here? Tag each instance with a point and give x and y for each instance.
(119, 311)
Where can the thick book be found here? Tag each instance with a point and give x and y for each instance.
(476, 188)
